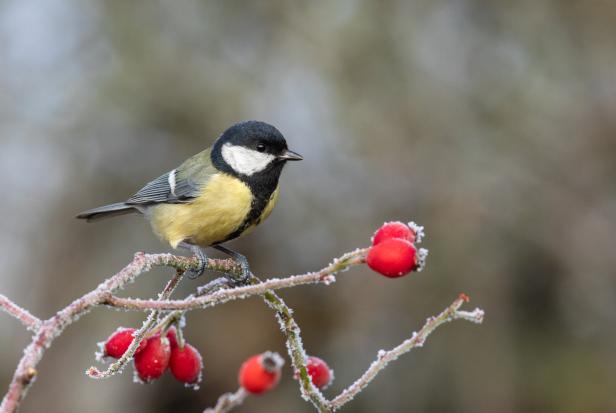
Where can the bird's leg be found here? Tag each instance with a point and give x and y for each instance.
(240, 259)
(201, 258)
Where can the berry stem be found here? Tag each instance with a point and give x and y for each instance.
(166, 322)
(179, 334)
(139, 335)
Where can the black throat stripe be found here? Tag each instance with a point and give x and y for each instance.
(262, 187)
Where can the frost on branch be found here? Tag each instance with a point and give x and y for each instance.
(160, 342)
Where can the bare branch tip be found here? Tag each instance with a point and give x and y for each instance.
(476, 316)
(464, 297)
(94, 373)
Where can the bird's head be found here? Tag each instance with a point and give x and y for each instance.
(251, 148)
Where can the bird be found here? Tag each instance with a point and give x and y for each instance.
(215, 196)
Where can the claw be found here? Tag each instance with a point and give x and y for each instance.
(234, 280)
(192, 274)
(246, 273)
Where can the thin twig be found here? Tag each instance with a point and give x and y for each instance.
(296, 350)
(23, 315)
(228, 401)
(417, 340)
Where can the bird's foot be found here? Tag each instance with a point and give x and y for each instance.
(235, 279)
(245, 276)
(201, 260)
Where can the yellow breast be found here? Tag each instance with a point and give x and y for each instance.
(217, 212)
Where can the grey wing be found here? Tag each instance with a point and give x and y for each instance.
(167, 188)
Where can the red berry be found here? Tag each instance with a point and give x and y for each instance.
(392, 257)
(319, 371)
(185, 364)
(172, 336)
(154, 359)
(261, 373)
(118, 342)
(393, 230)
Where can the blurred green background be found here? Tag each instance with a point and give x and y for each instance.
(491, 123)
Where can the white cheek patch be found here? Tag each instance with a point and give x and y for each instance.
(245, 161)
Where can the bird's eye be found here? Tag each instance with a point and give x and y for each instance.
(261, 147)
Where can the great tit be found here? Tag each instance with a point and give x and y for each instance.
(215, 196)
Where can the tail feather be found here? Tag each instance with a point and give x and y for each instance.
(107, 211)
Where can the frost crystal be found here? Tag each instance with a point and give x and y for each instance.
(281, 323)
(194, 386)
(418, 230)
(273, 358)
(476, 316)
(422, 255)
(479, 314)
(137, 379)
(100, 354)
(414, 341)
(332, 377)
(329, 279)
(182, 321)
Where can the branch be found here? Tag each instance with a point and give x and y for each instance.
(292, 331)
(28, 320)
(283, 312)
(214, 293)
(296, 350)
(309, 392)
(417, 340)
(48, 330)
(325, 276)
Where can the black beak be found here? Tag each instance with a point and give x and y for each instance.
(290, 156)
